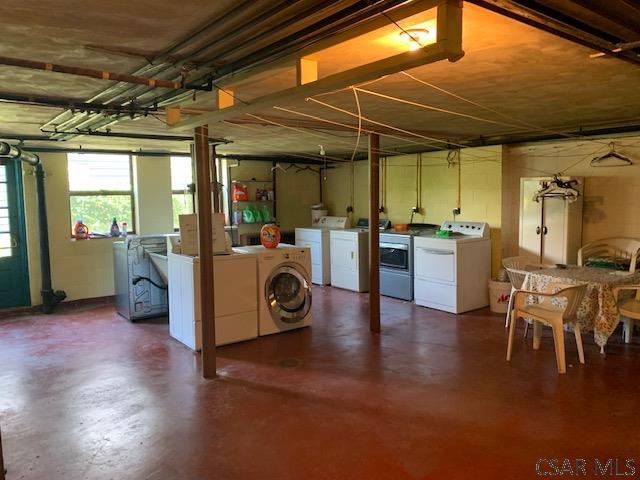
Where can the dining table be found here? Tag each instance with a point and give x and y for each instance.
(598, 311)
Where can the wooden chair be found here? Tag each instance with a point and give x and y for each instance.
(517, 268)
(552, 311)
(627, 248)
(628, 309)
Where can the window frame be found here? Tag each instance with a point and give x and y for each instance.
(103, 193)
(184, 190)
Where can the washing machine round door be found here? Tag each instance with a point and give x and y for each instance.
(288, 294)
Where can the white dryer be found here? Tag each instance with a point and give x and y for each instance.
(350, 259)
(235, 298)
(316, 238)
(284, 287)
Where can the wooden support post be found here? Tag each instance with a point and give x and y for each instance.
(374, 233)
(205, 249)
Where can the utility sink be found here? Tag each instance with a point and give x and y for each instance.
(162, 265)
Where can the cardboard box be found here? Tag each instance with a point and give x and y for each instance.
(189, 233)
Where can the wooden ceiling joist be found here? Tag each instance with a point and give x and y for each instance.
(447, 46)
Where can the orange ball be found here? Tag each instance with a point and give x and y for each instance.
(270, 236)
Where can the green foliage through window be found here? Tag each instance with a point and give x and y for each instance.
(182, 204)
(98, 211)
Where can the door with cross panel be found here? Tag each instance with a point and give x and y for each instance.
(14, 275)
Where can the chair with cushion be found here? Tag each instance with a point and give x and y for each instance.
(613, 251)
(554, 309)
(517, 268)
(629, 309)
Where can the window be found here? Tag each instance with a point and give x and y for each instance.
(181, 178)
(100, 189)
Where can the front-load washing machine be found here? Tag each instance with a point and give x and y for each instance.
(284, 287)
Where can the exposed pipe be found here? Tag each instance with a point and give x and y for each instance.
(137, 136)
(340, 21)
(72, 104)
(99, 74)
(50, 297)
(162, 57)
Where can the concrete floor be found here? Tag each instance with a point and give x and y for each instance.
(86, 395)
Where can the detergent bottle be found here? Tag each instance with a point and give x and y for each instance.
(80, 231)
(115, 230)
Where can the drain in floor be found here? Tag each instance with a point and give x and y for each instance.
(290, 362)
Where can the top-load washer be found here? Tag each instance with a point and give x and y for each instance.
(284, 287)
(316, 238)
(451, 272)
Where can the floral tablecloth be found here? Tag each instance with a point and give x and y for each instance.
(598, 311)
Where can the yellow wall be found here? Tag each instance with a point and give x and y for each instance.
(479, 172)
(611, 194)
(295, 192)
(84, 269)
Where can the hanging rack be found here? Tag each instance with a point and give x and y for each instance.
(557, 188)
(622, 160)
(306, 168)
(278, 166)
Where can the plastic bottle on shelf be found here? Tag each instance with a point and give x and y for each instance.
(115, 229)
(124, 229)
(80, 231)
(237, 217)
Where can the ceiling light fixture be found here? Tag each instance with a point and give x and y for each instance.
(416, 37)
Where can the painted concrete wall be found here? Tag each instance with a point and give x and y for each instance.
(611, 194)
(84, 269)
(476, 177)
(296, 192)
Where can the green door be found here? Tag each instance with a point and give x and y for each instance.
(14, 274)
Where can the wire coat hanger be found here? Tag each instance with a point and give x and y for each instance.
(557, 188)
(622, 160)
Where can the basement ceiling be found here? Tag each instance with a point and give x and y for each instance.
(531, 82)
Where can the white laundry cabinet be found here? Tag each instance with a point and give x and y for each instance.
(550, 229)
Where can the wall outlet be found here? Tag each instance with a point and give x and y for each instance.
(349, 209)
(456, 211)
(382, 210)
(415, 209)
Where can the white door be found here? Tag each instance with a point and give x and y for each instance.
(344, 254)
(530, 219)
(554, 230)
